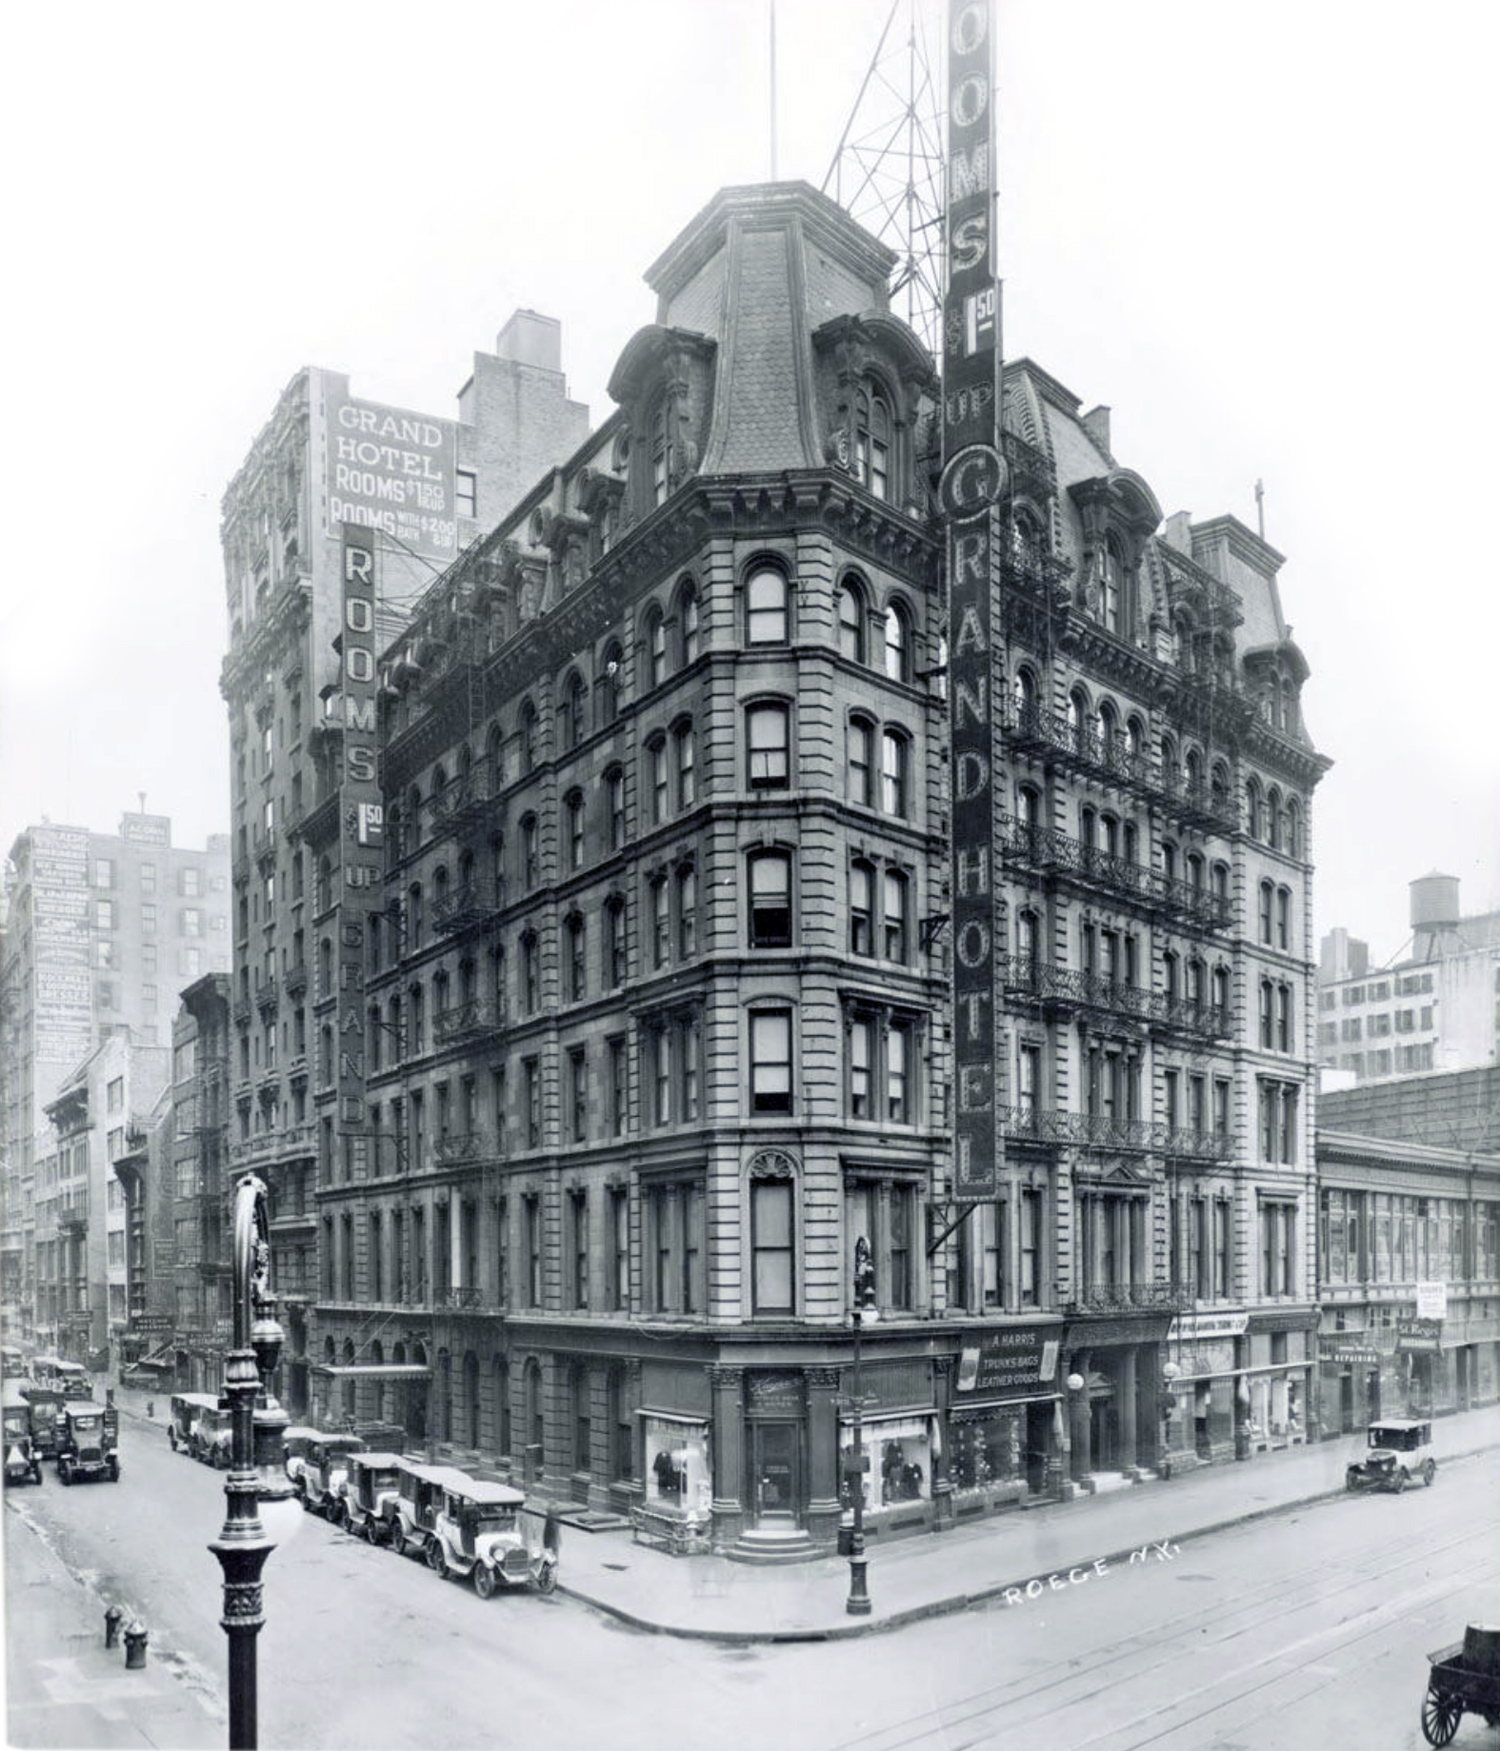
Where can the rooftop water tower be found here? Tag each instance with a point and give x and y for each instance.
(1434, 916)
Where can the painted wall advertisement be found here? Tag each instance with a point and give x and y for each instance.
(391, 471)
(60, 920)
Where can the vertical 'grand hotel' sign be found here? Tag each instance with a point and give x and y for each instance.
(973, 482)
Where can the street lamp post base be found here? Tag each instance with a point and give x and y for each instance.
(858, 1602)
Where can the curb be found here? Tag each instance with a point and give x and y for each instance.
(958, 1602)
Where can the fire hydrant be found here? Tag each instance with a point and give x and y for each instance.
(135, 1646)
(113, 1618)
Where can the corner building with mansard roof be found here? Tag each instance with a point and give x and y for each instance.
(655, 1011)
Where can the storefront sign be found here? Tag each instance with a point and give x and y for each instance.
(973, 482)
(1004, 1364)
(1419, 1336)
(779, 1393)
(1432, 1300)
(393, 472)
(1355, 1354)
(1188, 1327)
(151, 1322)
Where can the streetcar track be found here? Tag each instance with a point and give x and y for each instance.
(1249, 1614)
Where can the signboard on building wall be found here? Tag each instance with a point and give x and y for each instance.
(1002, 1364)
(60, 920)
(147, 829)
(361, 816)
(973, 481)
(392, 472)
(1419, 1336)
(1432, 1300)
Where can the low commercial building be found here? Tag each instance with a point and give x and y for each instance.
(1409, 1280)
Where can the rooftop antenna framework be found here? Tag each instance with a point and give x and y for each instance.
(887, 171)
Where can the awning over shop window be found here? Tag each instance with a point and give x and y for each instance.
(373, 1370)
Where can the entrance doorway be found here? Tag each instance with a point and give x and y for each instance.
(776, 1475)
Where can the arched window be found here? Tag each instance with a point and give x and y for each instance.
(861, 907)
(687, 912)
(414, 919)
(570, 713)
(1109, 729)
(1273, 818)
(1135, 739)
(577, 933)
(609, 684)
(687, 622)
(1219, 787)
(895, 920)
(897, 643)
(1171, 773)
(859, 761)
(663, 414)
(531, 973)
(1111, 588)
(614, 942)
(1293, 827)
(1193, 771)
(766, 611)
(494, 758)
(1024, 692)
(1254, 809)
(656, 776)
(655, 638)
(528, 737)
(767, 728)
(531, 862)
(1078, 720)
(614, 802)
(895, 779)
(683, 756)
(573, 805)
(851, 609)
(872, 441)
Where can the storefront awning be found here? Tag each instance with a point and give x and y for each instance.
(374, 1370)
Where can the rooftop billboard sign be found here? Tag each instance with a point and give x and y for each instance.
(391, 471)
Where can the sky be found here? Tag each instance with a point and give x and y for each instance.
(1257, 233)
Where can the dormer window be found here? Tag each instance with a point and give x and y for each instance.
(872, 441)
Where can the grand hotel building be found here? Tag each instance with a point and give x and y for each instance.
(650, 1017)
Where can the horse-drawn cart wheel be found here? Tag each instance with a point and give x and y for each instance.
(1440, 1717)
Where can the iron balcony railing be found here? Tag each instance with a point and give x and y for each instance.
(1051, 1127)
(1036, 981)
(463, 1021)
(466, 908)
(1128, 1298)
(1048, 852)
(458, 1146)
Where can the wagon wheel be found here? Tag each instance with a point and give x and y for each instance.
(484, 1580)
(1440, 1716)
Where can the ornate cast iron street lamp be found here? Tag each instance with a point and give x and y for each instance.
(865, 1308)
(257, 1468)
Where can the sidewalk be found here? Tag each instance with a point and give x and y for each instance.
(927, 1575)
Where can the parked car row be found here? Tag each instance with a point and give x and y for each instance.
(200, 1427)
(460, 1526)
(83, 1437)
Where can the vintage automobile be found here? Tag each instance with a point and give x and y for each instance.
(325, 1466)
(412, 1514)
(71, 1379)
(478, 1533)
(369, 1492)
(45, 1400)
(185, 1420)
(88, 1439)
(1399, 1451)
(22, 1460)
(295, 1443)
(12, 1362)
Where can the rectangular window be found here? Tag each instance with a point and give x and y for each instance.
(619, 1090)
(619, 1252)
(104, 872)
(578, 1221)
(899, 1251)
(1031, 1249)
(502, 1251)
(771, 1246)
(531, 1072)
(466, 492)
(861, 1051)
(771, 1061)
(771, 900)
(532, 1216)
(104, 914)
(578, 1093)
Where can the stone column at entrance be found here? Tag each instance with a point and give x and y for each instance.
(728, 1454)
(1125, 1391)
(823, 1456)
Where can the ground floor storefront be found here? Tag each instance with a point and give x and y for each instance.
(1381, 1360)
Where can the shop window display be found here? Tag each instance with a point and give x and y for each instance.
(898, 1463)
(988, 1449)
(678, 1478)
